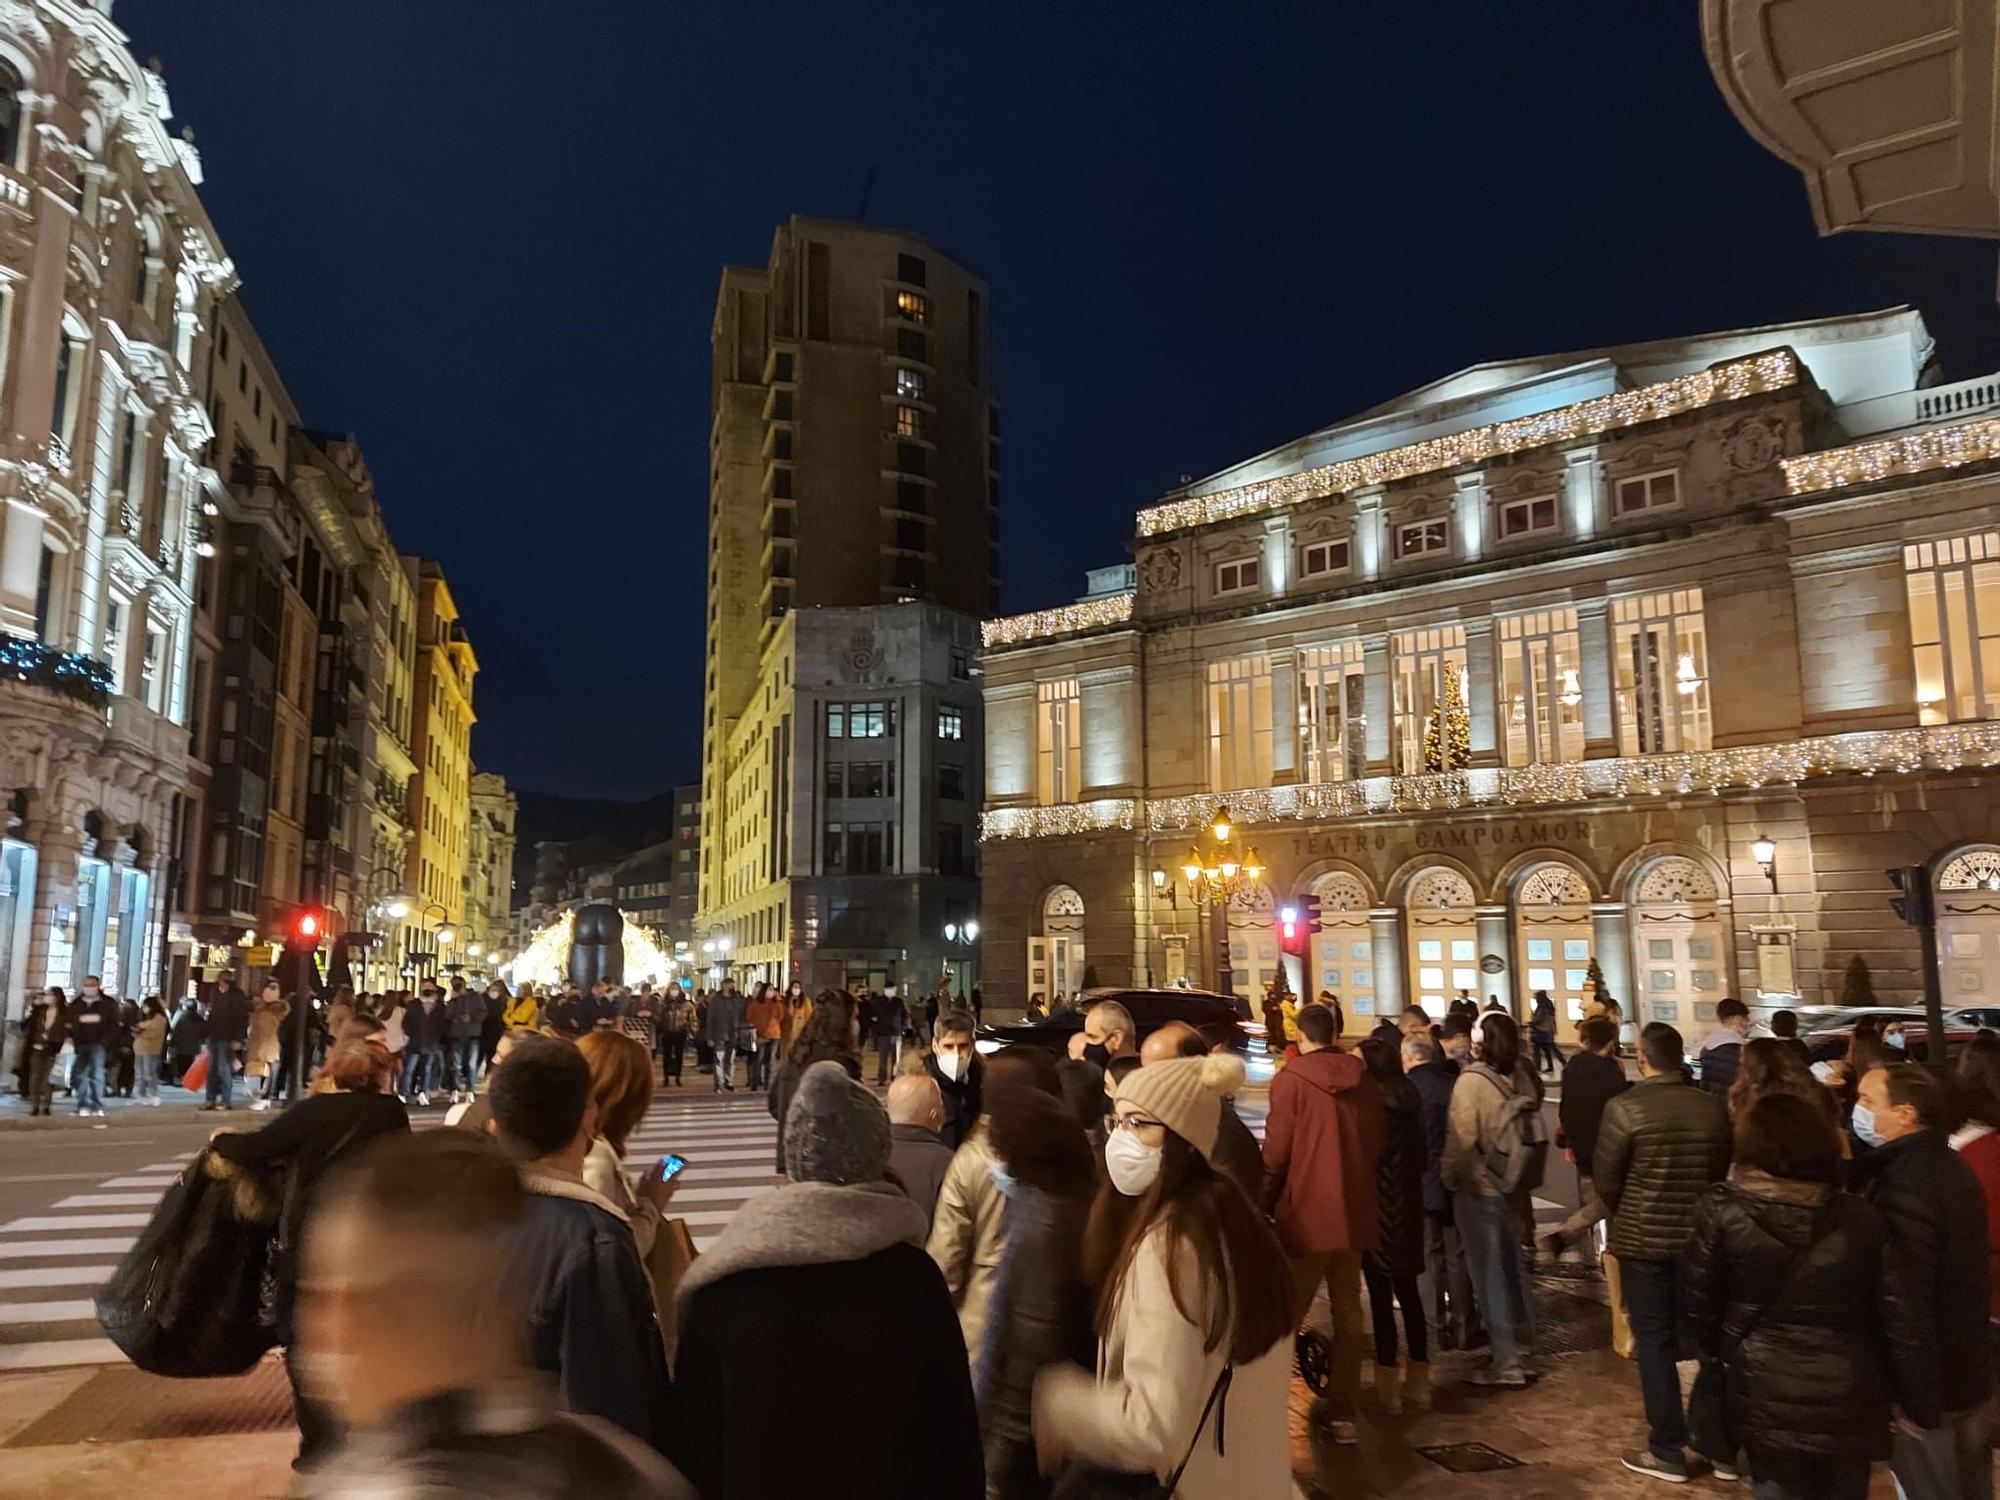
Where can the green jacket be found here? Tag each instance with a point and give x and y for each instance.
(1662, 1143)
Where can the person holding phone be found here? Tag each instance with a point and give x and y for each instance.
(621, 1089)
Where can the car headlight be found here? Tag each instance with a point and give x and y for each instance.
(987, 1046)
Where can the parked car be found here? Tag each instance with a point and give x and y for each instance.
(1223, 1019)
(1829, 1042)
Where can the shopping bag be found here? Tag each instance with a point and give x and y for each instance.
(187, 1299)
(1621, 1326)
(666, 1263)
(195, 1079)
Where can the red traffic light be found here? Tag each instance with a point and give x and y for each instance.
(308, 924)
(304, 934)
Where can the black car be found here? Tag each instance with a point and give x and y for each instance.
(1223, 1019)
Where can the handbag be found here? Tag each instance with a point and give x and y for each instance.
(1622, 1343)
(1088, 1481)
(196, 1076)
(1709, 1427)
(666, 1263)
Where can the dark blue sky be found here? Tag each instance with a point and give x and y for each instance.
(484, 235)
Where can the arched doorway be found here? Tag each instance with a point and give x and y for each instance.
(1055, 952)
(1552, 937)
(1444, 938)
(1968, 927)
(1677, 936)
(1342, 957)
(1253, 945)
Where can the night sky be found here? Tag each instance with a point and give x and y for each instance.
(485, 236)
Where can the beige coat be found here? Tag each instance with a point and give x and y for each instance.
(604, 1175)
(966, 1233)
(149, 1038)
(260, 1054)
(1141, 1411)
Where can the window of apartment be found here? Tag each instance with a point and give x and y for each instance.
(1419, 538)
(1541, 687)
(951, 783)
(781, 444)
(1954, 593)
(871, 778)
(781, 367)
(152, 681)
(913, 343)
(1239, 723)
(910, 422)
(950, 723)
(910, 268)
(951, 849)
(910, 384)
(1319, 559)
(961, 666)
(860, 848)
(114, 640)
(1333, 712)
(912, 305)
(70, 365)
(819, 284)
(781, 483)
(1526, 517)
(1420, 658)
(912, 458)
(1238, 577)
(1644, 492)
(1058, 741)
(912, 535)
(128, 451)
(1661, 652)
(859, 721)
(912, 496)
(781, 406)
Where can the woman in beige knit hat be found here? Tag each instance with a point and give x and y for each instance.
(1194, 1315)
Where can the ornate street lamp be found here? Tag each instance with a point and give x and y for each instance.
(1218, 876)
(1765, 851)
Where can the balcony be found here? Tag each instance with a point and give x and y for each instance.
(1944, 747)
(69, 674)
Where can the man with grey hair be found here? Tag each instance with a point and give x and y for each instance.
(1108, 1032)
(917, 1154)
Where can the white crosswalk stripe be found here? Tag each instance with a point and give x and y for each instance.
(71, 1247)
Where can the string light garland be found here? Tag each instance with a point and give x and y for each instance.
(1914, 453)
(1729, 381)
(1941, 747)
(1087, 614)
(70, 673)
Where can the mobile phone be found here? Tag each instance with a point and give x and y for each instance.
(670, 1165)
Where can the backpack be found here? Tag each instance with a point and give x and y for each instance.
(1519, 1157)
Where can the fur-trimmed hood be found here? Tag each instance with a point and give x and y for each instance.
(809, 1224)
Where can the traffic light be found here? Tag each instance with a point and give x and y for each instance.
(303, 936)
(1291, 931)
(1913, 905)
(1309, 914)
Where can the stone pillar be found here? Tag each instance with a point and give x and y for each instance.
(1469, 515)
(1284, 718)
(1368, 525)
(1385, 938)
(1593, 633)
(1491, 925)
(51, 944)
(1481, 691)
(1611, 945)
(1583, 488)
(1277, 555)
(1377, 695)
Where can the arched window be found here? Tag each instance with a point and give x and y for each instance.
(11, 85)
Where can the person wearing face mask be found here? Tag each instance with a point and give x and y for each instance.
(954, 1066)
(1721, 1051)
(917, 1157)
(1934, 1214)
(1193, 1314)
(93, 1021)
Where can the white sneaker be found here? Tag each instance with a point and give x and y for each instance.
(423, 1099)
(154, 1101)
(260, 1104)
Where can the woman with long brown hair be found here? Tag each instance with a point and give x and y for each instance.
(1194, 1310)
(621, 1089)
(1769, 1067)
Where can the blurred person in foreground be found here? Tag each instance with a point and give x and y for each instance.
(823, 1286)
(407, 1337)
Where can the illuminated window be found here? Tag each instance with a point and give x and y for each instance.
(913, 305)
(1321, 558)
(1058, 742)
(1237, 577)
(1527, 517)
(1541, 687)
(1661, 651)
(951, 723)
(1239, 723)
(909, 421)
(1644, 492)
(1421, 537)
(1954, 593)
(1420, 659)
(909, 384)
(1333, 712)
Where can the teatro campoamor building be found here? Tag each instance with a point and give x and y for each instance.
(1655, 655)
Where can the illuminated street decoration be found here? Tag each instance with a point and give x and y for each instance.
(1913, 453)
(1088, 614)
(545, 960)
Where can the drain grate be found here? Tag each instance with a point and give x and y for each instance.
(124, 1405)
(1469, 1458)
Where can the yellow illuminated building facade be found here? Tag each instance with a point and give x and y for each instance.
(440, 793)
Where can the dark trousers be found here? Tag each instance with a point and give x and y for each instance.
(885, 1056)
(319, 1429)
(1652, 1303)
(1546, 1052)
(1448, 1298)
(673, 1053)
(41, 1094)
(221, 1072)
(1810, 1479)
(1385, 1292)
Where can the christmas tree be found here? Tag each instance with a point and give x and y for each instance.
(1448, 736)
(1599, 990)
(1858, 988)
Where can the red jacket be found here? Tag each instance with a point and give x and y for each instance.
(1982, 1154)
(1322, 1142)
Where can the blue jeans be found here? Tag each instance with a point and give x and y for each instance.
(763, 1064)
(464, 1062)
(1491, 1234)
(146, 1076)
(421, 1066)
(1652, 1305)
(88, 1077)
(221, 1072)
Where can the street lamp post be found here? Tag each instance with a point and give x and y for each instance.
(444, 933)
(1217, 877)
(962, 934)
(1765, 851)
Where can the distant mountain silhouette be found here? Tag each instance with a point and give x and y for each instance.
(611, 827)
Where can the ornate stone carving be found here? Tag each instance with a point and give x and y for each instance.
(1339, 891)
(1160, 570)
(861, 659)
(1675, 881)
(1441, 890)
(1974, 870)
(1553, 885)
(1753, 444)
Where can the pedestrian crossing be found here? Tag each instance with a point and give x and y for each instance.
(53, 1261)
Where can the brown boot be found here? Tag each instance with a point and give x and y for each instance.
(1389, 1389)
(1416, 1387)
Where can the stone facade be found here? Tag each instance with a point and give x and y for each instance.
(489, 870)
(1670, 641)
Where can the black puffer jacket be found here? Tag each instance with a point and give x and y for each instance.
(1934, 1217)
(1399, 1180)
(1433, 1082)
(1815, 1375)
(1660, 1145)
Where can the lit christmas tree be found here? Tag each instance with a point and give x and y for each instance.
(1448, 736)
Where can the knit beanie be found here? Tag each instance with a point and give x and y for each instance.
(1185, 1094)
(835, 1131)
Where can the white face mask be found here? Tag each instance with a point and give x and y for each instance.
(1134, 1166)
(952, 1065)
